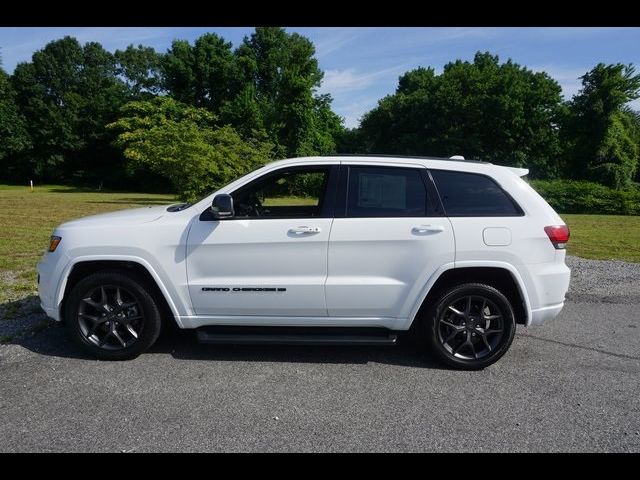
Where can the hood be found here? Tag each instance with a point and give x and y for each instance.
(120, 217)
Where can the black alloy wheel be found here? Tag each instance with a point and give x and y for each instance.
(470, 326)
(113, 315)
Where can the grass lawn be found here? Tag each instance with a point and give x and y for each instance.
(27, 220)
(290, 201)
(606, 237)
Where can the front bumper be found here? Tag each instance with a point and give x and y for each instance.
(49, 273)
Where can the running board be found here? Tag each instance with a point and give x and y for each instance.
(296, 336)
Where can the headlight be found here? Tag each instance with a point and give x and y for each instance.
(54, 242)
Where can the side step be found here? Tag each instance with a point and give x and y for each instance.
(296, 335)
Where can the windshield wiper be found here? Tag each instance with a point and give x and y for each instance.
(178, 207)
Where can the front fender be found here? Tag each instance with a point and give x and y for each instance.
(166, 287)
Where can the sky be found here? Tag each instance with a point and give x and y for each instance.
(362, 64)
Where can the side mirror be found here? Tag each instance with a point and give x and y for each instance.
(222, 206)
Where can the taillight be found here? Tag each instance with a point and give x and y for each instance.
(558, 234)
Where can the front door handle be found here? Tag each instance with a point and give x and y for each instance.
(428, 229)
(304, 230)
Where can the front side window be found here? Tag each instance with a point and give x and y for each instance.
(472, 195)
(295, 193)
(386, 192)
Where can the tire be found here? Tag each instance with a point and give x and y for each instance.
(112, 301)
(469, 326)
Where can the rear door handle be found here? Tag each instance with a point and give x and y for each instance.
(428, 229)
(304, 230)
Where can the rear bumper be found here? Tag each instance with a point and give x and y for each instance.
(547, 285)
(541, 315)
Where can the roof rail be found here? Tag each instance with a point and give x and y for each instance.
(455, 158)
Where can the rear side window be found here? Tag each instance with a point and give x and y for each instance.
(472, 195)
(386, 192)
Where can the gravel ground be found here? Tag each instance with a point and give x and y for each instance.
(605, 281)
(570, 385)
(21, 318)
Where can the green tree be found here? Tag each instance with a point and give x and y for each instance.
(243, 113)
(186, 145)
(406, 123)
(202, 75)
(600, 131)
(321, 130)
(634, 116)
(350, 141)
(283, 75)
(499, 112)
(13, 134)
(140, 68)
(266, 88)
(67, 94)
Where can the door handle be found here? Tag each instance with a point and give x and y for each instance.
(428, 229)
(304, 229)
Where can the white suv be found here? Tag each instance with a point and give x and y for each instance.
(344, 249)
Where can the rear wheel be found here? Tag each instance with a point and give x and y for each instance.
(112, 316)
(470, 326)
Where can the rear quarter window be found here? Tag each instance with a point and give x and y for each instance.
(466, 194)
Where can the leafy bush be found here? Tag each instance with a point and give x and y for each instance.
(185, 145)
(573, 196)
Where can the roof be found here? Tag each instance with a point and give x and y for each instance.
(386, 157)
(454, 163)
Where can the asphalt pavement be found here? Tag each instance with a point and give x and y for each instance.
(570, 385)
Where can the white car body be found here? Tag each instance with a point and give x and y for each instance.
(368, 272)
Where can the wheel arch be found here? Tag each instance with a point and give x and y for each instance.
(81, 267)
(500, 275)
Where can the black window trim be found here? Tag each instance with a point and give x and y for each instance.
(519, 213)
(343, 190)
(327, 203)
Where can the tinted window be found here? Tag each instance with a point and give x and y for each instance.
(469, 194)
(386, 192)
(289, 193)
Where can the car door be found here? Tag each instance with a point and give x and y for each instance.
(270, 258)
(389, 236)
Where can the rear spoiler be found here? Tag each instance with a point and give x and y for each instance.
(521, 172)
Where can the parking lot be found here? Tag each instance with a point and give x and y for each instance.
(570, 385)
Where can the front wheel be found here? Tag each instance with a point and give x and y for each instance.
(470, 326)
(112, 316)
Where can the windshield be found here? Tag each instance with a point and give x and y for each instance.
(182, 206)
